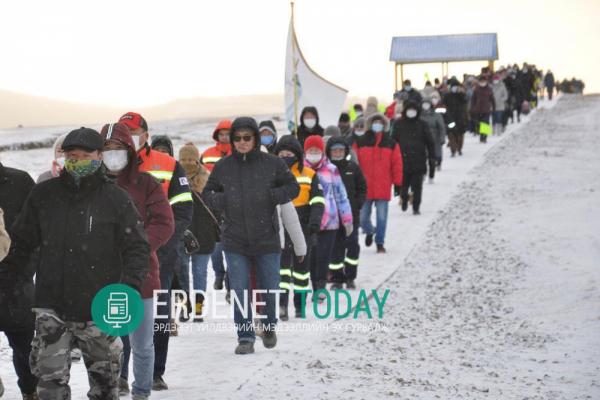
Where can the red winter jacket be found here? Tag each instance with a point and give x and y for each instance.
(380, 159)
(150, 201)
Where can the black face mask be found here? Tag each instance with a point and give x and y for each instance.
(290, 161)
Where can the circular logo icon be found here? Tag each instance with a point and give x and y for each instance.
(117, 310)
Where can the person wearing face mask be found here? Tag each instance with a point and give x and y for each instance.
(381, 162)
(356, 111)
(246, 188)
(175, 185)
(309, 124)
(344, 124)
(437, 128)
(16, 283)
(455, 116)
(500, 99)
(204, 230)
(346, 250)
(337, 213)
(408, 93)
(416, 143)
(120, 158)
(482, 106)
(526, 79)
(358, 130)
(268, 135)
(309, 206)
(90, 235)
(57, 164)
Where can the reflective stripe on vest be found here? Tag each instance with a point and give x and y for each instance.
(181, 198)
(210, 160)
(160, 165)
(304, 179)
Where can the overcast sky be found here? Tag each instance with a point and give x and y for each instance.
(134, 53)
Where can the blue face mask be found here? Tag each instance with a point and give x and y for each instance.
(266, 140)
(377, 127)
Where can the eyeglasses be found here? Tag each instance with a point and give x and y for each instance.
(245, 138)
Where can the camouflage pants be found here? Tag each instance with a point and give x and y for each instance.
(50, 358)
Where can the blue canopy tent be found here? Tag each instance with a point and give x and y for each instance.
(444, 49)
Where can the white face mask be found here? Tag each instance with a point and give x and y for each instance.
(435, 101)
(314, 158)
(454, 89)
(310, 123)
(411, 113)
(61, 162)
(359, 133)
(426, 106)
(115, 160)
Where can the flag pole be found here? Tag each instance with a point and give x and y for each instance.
(295, 78)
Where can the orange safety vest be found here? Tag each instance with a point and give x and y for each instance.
(304, 179)
(160, 165)
(213, 154)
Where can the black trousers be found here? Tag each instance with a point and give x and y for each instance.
(344, 261)
(294, 274)
(321, 256)
(412, 181)
(20, 342)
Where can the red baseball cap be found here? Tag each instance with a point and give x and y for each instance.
(134, 121)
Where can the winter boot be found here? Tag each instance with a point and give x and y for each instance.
(336, 286)
(32, 396)
(350, 284)
(298, 313)
(159, 384)
(369, 240)
(139, 397)
(283, 313)
(244, 348)
(381, 249)
(123, 387)
(269, 338)
(404, 204)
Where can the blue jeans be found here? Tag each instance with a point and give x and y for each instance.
(199, 272)
(143, 352)
(217, 261)
(267, 278)
(382, 214)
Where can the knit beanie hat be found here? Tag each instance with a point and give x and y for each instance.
(333, 131)
(189, 151)
(314, 141)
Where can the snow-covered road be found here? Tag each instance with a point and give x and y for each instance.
(495, 289)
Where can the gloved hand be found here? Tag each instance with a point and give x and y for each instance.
(190, 242)
(349, 229)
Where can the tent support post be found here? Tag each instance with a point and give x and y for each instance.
(402, 73)
(395, 77)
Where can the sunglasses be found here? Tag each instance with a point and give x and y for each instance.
(245, 138)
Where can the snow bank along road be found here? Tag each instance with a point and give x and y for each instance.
(494, 290)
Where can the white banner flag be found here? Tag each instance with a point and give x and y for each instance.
(311, 89)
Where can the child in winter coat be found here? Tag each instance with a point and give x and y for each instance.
(337, 214)
(310, 206)
(346, 250)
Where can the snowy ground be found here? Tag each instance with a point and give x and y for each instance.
(494, 289)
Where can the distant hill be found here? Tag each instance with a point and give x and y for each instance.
(29, 111)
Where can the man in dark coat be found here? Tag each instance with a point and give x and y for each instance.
(121, 160)
(89, 235)
(456, 116)
(417, 146)
(482, 107)
(246, 187)
(346, 250)
(16, 286)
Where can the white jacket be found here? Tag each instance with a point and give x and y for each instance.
(288, 219)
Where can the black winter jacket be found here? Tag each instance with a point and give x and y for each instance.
(89, 236)
(246, 188)
(416, 144)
